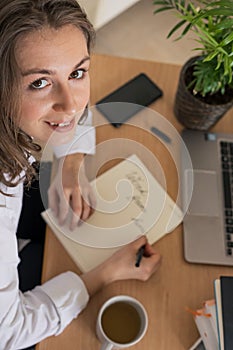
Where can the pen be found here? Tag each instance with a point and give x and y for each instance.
(160, 134)
(140, 255)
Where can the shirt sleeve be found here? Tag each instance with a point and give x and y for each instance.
(69, 295)
(83, 142)
(27, 318)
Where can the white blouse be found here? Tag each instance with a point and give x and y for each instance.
(27, 318)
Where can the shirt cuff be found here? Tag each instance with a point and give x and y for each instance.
(69, 295)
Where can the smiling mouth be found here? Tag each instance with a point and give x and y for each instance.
(60, 125)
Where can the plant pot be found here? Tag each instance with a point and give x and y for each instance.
(193, 112)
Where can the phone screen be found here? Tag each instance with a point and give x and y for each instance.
(139, 92)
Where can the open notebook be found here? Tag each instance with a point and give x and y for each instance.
(130, 202)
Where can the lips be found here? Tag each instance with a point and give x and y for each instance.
(61, 126)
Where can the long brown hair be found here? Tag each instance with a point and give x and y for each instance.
(18, 18)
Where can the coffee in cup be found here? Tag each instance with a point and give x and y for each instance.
(122, 322)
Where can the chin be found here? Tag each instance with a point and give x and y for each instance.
(57, 138)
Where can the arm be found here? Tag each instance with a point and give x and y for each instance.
(70, 187)
(27, 318)
(70, 190)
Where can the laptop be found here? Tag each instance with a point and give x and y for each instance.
(208, 222)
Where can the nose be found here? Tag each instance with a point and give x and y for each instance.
(65, 100)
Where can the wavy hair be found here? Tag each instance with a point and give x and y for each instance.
(18, 18)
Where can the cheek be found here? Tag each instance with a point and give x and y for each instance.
(30, 112)
(83, 94)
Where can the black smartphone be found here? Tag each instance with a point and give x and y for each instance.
(139, 92)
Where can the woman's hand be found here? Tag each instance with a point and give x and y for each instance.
(123, 262)
(121, 266)
(70, 192)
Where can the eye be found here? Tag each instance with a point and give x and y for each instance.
(39, 84)
(77, 74)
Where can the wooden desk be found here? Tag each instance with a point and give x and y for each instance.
(177, 284)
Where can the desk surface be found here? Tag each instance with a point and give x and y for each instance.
(177, 284)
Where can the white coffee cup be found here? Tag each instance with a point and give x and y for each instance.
(122, 322)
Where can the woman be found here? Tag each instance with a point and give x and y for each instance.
(44, 86)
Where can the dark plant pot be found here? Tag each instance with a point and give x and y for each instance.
(195, 113)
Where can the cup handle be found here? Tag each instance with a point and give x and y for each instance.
(106, 346)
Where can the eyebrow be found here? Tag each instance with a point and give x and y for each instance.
(51, 72)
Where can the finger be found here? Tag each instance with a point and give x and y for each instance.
(139, 242)
(75, 220)
(77, 203)
(149, 250)
(92, 200)
(149, 265)
(86, 207)
(86, 211)
(151, 259)
(152, 262)
(63, 208)
(77, 208)
(53, 201)
(89, 202)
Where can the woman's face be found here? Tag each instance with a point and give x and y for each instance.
(55, 82)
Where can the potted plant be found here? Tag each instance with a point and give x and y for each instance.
(205, 89)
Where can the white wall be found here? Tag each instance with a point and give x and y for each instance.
(102, 11)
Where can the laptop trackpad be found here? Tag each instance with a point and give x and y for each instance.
(205, 198)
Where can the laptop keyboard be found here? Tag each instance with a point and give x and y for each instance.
(227, 176)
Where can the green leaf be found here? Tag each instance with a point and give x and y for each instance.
(210, 56)
(224, 24)
(187, 28)
(161, 2)
(216, 12)
(206, 38)
(219, 60)
(182, 3)
(177, 26)
(162, 9)
(222, 3)
(227, 40)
